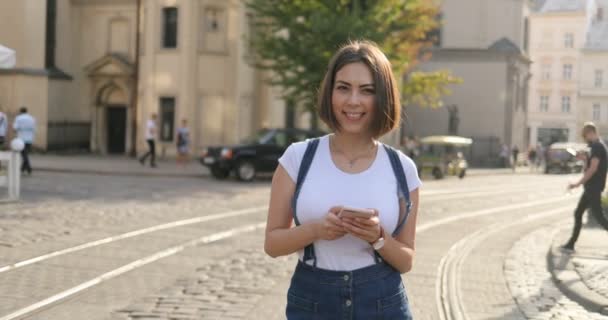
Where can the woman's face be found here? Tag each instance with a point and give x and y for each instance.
(353, 98)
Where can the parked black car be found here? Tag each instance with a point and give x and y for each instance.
(562, 158)
(260, 153)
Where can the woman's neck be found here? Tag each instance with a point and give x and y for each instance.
(353, 144)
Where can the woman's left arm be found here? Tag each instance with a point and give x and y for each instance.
(397, 251)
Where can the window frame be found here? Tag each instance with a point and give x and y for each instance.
(164, 28)
(161, 118)
(544, 103)
(598, 81)
(596, 110)
(569, 40)
(566, 104)
(546, 71)
(567, 70)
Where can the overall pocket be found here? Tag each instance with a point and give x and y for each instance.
(300, 308)
(394, 307)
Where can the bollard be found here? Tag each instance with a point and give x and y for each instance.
(12, 180)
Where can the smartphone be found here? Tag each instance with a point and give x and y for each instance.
(351, 212)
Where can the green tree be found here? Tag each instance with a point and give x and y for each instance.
(296, 38)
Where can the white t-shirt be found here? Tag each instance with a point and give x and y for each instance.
(327, 186)
(151, 130)
(25, 125)
(3, 124)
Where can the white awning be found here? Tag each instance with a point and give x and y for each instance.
(7, 58)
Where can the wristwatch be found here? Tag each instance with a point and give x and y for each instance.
(380, 242)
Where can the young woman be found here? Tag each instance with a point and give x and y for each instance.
(348, 268)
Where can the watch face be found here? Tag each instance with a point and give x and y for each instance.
(379, 244)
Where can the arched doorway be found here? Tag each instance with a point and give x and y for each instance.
(116, 129)
(112, 115)
(112, 119)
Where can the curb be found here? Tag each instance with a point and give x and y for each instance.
(127, 174)
(570, 283)
(203, 174)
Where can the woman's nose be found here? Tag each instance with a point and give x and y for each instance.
(354, 98)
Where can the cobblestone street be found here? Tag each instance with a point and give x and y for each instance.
(84, 246)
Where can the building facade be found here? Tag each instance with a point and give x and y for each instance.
(557, 34)
(484, 43)
(76, 65)
(593, 85)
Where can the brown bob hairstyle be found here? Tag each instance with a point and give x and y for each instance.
(387, 102)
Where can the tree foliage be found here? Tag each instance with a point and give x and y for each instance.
(296, 38)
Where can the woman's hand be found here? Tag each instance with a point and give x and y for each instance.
(330, 227)
(365, 229)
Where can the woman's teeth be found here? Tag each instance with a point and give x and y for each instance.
(353, 115)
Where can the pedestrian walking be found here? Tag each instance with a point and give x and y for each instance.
(25, 128)
(540, 154)
(348, 267)
(532, 158)
(504, 155)
(515, 152)
(3, 129)
(151, 140)
(594, 182)
(183, 143)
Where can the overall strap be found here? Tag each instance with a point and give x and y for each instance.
(309, 154)
(401, 184)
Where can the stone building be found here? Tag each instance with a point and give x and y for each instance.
(76, 65)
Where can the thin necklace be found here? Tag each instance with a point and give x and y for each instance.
(351, 162)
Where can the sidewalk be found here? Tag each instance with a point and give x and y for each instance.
(115, 165)
(123, 165)
(473, 172)
(583, 275)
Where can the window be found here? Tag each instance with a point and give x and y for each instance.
(280, 139)
(596, 112)
(544, 103)
(567, 73)
(169, 28)
(568, 40)
(599, 75)
(566, 104)
(167, 118)
(546, 71)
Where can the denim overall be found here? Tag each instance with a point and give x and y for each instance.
(373, 292)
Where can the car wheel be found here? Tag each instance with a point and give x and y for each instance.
(437, 174)
(219, 173)
(245, 170)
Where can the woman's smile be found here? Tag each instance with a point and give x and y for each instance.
(353, 116)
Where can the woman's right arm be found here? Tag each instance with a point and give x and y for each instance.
(281, 238)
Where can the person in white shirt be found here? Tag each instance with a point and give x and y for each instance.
(348, 267)
(3, 128)
(25, 128)
(151, 140)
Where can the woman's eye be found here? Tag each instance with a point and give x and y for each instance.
(341, 88)
(369, 91)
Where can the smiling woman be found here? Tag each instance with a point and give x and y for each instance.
(349, 266)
